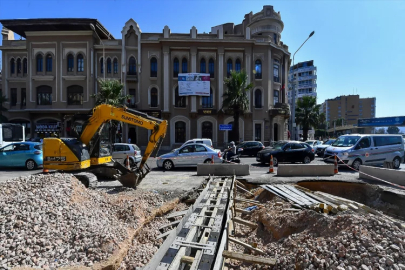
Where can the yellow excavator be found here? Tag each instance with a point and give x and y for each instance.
(90, 154)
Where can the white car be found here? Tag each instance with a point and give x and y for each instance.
(203, 141)
(314, 144)
(123, 150)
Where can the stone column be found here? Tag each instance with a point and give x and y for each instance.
(166, 71)
(220, 76)
(248, 72)
(270, 98)
(193, 52)
(285, 100)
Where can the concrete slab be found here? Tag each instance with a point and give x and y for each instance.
(305, 170)
(223, 169)
(389, 175)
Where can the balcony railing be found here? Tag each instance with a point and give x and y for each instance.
(307, 85)
(303, 69)
(309, 77)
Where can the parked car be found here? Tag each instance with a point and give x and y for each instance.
(293, 151)
(249, 148)
(123, 150)
(314, 144)
(189, 156)
(320, 150)
(203, 141)
(22, 154)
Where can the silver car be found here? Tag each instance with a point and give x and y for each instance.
(189, 156)
(123, 150)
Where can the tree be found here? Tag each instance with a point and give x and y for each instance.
(307, 114)
(236, 99)
(380, 131)
(392, 130)
(3, 99)
(322, 121)
(111, 93)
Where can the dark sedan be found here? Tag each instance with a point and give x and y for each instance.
(249, 148)
(320, 150)
(287, 152)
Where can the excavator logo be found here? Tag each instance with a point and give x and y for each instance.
(132, 119)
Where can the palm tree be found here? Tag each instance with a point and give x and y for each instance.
(322, 122)
(236, 99)
(3, 99)
(307, 114)
(111, 93)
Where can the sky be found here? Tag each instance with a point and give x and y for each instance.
(358, 45)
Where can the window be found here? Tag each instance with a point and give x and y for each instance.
(276, 76)
(365, 142)
(211, 68)
(12, 66)
(200, 148)
(153, 97)
(176, 67)
(109, 66)
(387, 140)
(180, 132)
(207, 101)
(39, 63)
(80, 63)
(276, 96)
(184, 65)
(229, 67)
(75, 95)
(206, 128)
(179, 101)
(25, 68)
(18, 66)
(203, 66)
(115, 65)
(153, 67)
(70, 63)
(48, 63)
(275, 38)
(258, 69)
(297, 146)
(237, 65)
(23, 97)
(132, 93)
(44, 95)
(101, 65)
(258, 98)
(13, 100)
(258, 132)
(132, 66)
(187, 149)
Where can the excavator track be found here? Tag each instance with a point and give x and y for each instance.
(89, 180)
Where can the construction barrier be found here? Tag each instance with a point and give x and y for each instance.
(271, 169)
(389, 175)
(305, 170)
(222, 169)
(336, 170)
(212, 159)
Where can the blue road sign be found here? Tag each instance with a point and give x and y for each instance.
(382, 121)
(225, 127)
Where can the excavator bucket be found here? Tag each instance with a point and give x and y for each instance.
(130, 178)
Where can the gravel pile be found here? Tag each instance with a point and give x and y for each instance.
(52, 220)
(310, 240)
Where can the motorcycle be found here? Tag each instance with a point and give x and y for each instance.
(232, 159)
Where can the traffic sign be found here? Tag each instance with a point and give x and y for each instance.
(225, 127)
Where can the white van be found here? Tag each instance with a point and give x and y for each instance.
(366, 149)
(203, 141)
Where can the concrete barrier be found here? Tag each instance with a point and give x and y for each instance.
(223, 169)
(390, 175)
(305, 170)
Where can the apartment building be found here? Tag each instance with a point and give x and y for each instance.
(52, 73)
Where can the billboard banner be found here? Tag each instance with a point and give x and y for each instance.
(382, 121)
(194, 84)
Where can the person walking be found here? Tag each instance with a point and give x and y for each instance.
(129, 140)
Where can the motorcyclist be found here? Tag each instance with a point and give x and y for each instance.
(231, 151)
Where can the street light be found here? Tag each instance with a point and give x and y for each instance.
(293, 94)
(94, 29)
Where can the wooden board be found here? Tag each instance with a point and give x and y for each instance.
(176, 214)
(170, 224)
(302, 194)
(286, 195)
(164, 234)
(245, 222)
(248, 258)
(236, 241)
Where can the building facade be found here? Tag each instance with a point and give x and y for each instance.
(54, 72)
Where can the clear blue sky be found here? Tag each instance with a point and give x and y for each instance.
(358, 46)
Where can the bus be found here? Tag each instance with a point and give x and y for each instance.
(10, 133)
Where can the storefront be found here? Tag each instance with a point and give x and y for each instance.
(47, 128)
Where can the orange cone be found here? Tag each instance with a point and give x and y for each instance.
(271, 169)
(212, 159)
(45, 170)
(128, 167)
(336, 166)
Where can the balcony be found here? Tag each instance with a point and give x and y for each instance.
(307, 85)
(303, 69)
(132, 77)
(282, 109)
(309, 77)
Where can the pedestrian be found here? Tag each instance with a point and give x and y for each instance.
(129, 140)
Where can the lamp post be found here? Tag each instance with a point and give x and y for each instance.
(293, 94)
(102, 43)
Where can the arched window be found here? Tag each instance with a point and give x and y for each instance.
(109, 65)
(258, 98)
(237, 65)
(153, 67)
(202, 66)
(176, 68)
(180, 132)
(229, 67)
(25, 66)
(276, 96)
(184, 65)
(18, 66)
(153, 97)
(70, 63)
(44, 95)
(101, 65)
(48, 63)
(179, 101)
(39, 63)
(206, 128)
(115, 65)
(75, 95)
(258, 69)
(80, 63)
(12, 66)
(132, 66)
(207, 101)
(211, 68)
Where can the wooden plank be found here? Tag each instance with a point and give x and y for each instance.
(298, 197)
(243, 211)
(170, 224)
(240, 183)
(245, 190)
(177, 214)
(248, 258)
(245, 222)
(302, 194)
(187, 259)
(283, 194)
(248, 201)
(164, 234)
(236, 241)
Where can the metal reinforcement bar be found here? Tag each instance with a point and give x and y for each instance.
(194, 244)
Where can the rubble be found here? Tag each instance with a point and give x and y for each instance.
(52, 220)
